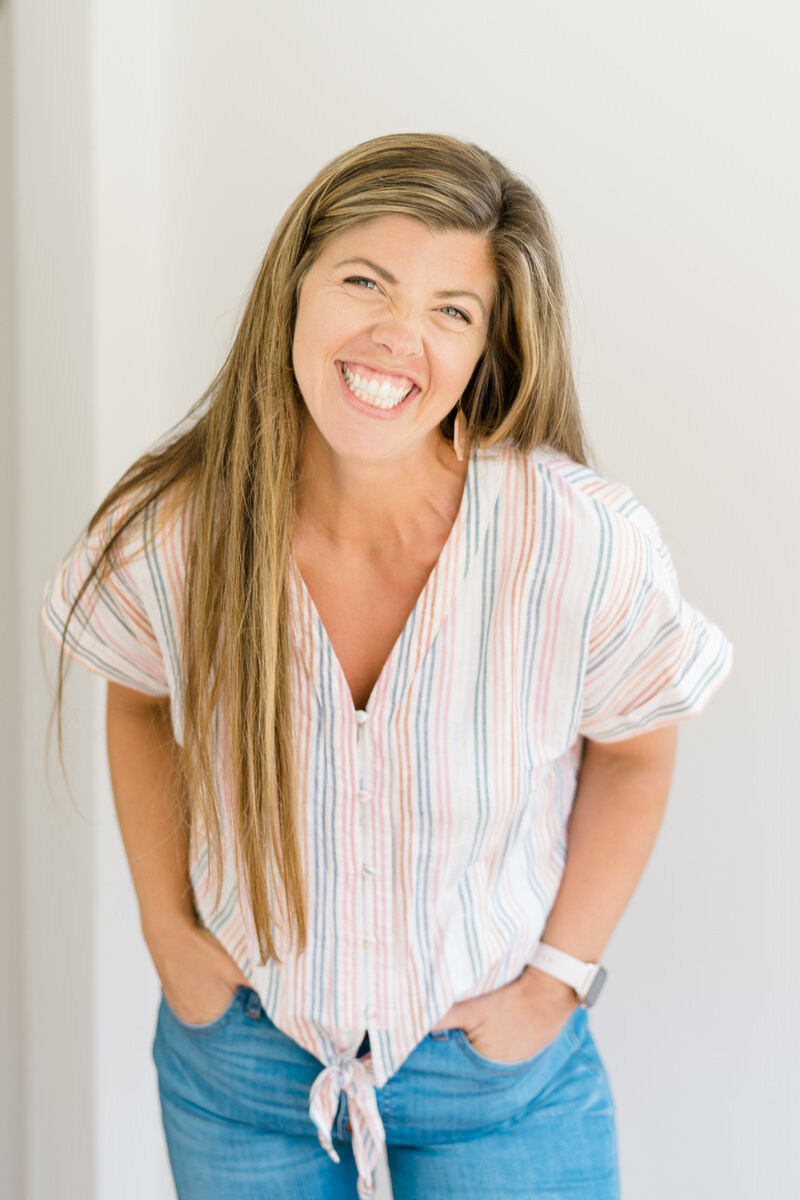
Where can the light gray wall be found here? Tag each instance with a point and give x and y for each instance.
(10, 942)
(154, 152)
(53, 394)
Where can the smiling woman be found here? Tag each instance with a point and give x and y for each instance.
(394, 678)
(379, 368)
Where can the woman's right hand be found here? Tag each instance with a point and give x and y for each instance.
(198, 975)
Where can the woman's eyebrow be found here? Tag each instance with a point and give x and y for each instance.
(453, 295)
(384, 274)
(389, 278)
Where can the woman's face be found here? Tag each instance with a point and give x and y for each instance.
(392, 308)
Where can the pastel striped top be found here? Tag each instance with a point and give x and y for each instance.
(435, 818)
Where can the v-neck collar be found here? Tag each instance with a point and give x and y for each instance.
(312, 644)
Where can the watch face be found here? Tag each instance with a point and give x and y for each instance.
(595, 987)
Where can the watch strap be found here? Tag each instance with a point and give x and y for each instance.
(576, 973)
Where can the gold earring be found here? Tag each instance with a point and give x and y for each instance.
(459, 432)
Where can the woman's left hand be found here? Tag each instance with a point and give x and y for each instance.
(515, 1021)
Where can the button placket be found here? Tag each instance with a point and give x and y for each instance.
(364, 797)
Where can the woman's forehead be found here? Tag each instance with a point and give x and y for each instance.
(400, 246)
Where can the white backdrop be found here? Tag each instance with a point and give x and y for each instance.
(153, 149)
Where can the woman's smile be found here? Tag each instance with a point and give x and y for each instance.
(382, 395)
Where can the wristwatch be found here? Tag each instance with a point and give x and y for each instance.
(586, 979)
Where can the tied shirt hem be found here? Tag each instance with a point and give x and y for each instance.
(355, 1077)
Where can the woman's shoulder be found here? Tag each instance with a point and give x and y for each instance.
(151, 527)
(126, 600)
(574, 492)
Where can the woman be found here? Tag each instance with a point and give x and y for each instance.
(394, 680)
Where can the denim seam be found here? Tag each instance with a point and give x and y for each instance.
(507, 1069)
(386, 1103)
(587, 1061)
(500, 1069)
(209, 1026)
(580, 1052)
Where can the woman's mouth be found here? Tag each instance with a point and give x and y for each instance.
(382, 392)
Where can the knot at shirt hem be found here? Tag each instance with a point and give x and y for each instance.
(353, 1077)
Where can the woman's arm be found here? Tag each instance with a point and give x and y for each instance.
(197, 974)
(617, 810)
(143, 760)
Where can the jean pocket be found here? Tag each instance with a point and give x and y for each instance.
(216, 1022)
(567, 1033)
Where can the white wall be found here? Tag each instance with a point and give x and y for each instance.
(154, 150)
(53, 336)
(10, 991)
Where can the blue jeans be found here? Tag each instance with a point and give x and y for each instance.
(234, 1101)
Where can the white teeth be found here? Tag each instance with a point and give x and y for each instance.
(379, 395)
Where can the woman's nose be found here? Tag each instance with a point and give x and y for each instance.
(401, 339)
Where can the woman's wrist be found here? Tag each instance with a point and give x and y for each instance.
(548, 988)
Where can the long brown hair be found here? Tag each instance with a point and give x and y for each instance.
(237, 455)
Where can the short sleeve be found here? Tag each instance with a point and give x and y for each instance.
(653, 659)
(111, 631)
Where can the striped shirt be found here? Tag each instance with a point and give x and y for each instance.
(435, 830)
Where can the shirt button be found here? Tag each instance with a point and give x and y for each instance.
(370, 941)
(368, 870)
(363, 796)
(361, 717)
(370, 1012)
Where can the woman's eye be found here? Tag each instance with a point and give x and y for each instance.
(369, 284)
(457, 311)
(360, 279)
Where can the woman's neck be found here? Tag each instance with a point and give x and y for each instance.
(373, 506)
